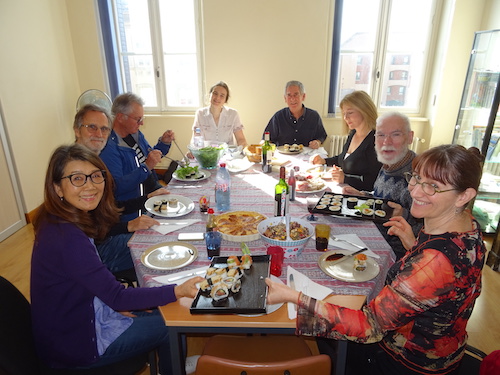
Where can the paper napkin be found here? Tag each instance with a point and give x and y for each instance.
(180, 277)
(315, 151)
(307, 286)
(346, 246)
(167, 226)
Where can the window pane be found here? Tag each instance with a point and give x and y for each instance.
(135, 49)
(406, 52)
(357, 46)
(180, 53)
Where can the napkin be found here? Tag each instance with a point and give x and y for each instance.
(346, 246)
(315, 151)
(167, 226)
(307, 286)
(167, 279)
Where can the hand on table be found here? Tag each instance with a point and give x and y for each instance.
(279, 293)
(315, 144)
(141, 222)
(349, 190)
(160, 191)
(398, 226)
(317, 160)
(188, 288)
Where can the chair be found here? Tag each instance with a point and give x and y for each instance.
(127, 277)
(17, 348)
(471, 361)
(249, 355)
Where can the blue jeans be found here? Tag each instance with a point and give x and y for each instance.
(147, 332)
(115, 253)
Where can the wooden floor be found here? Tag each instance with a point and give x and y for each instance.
(483, 327)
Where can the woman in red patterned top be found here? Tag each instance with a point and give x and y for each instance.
(418, 320)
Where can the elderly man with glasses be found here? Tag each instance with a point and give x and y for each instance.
(92, 127)
(128, 155)
(393, 136)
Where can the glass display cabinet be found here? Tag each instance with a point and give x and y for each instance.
(478, 123)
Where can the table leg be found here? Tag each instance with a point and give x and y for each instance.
(340, 363)
(176, 351)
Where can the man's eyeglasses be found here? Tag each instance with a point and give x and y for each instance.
(94, 128)
(80, 179)
(429, 189)
(139, 120)
(395, 136)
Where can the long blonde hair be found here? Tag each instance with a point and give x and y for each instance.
(364, 104)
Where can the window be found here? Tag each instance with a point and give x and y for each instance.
(392, 46)
(153, 50)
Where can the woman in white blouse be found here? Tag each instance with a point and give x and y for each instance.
(218, 122)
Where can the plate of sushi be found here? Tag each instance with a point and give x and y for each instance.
(354, 270)
(169, 205)
(233, 284)
(290, 149)
(190, 174)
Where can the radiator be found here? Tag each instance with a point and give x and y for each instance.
(336, 144)
(416, 143)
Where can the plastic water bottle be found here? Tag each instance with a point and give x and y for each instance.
(198, 139)
(222, 189)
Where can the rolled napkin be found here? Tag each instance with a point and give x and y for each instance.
(167, 226)
(307, 286)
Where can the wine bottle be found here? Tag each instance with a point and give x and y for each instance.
(281, 195)
(267, 154)
(292, 183)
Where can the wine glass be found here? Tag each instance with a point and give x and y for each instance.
(311, 203)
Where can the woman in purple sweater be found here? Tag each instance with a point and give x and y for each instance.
(76, 301)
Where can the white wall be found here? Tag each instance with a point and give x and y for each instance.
(50, 54)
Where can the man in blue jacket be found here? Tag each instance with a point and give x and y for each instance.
(128, 155)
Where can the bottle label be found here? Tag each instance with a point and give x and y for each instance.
(222, 187)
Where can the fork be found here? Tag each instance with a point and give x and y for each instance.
(346, 241)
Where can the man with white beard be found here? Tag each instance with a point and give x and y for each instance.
(393, 136)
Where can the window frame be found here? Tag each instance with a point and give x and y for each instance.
(380, 53)
(114, 63)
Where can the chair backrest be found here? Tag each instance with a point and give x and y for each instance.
(17, 348)
(317, 365)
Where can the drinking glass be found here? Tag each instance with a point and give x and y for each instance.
(277, 255)
(213, 241)
(322, 232)
(311, 203)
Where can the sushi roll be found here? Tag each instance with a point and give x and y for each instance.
(380, 213)
(321, 206)
(335, 209)
(360, 262)
(205, 287)
(286, 147)
(246, 261)
(338, 197)
(233, 261)
(219, 293)
(367, 212)
(157, 206)
(229, 281)
(164, 205)
(369, 202)
(222, 272)
(211, 271)
(173, 203)
(236, 287)
(234, 272)
(378, 204)
(351, 202)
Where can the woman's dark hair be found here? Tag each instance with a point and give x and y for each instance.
(451, 164)
(95, 223)
(223, 85)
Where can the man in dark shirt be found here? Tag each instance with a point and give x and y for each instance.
(296, 124)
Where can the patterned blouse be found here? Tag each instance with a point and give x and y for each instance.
(419, 317)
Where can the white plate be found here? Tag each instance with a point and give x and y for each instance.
(344, 271)
(185, 206)
(202, 175)
(319, 172)
(169, 255)
(310, 191)
(281, 150)
(238, 165)
(269, 308)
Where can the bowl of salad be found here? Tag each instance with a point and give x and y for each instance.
(208, 156)
(274, 233)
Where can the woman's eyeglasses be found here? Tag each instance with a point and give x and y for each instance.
(94, 128)
(80, 179)
(427, 188)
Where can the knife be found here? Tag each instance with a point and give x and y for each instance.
(292, 285)
(345, 257)
(183, 186)
(186, 275)
(175, 223)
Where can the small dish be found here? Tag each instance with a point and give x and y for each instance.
(169, 255)
(202, 175)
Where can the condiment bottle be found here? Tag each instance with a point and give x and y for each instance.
(292, 183)
(281, 195)
(210, 220)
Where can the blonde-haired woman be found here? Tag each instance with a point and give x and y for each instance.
(357, 164)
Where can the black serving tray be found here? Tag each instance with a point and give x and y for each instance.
(345, 211)
(251, 299)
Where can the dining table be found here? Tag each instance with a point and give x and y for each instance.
(253, 190)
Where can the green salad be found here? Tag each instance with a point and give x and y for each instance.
(208, 156)
(183, 172)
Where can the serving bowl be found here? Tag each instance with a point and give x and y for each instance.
(291, 248)
(208, 156)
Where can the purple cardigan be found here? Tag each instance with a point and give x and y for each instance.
(66, 275)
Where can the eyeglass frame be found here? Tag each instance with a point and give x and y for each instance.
(409, 176)
(138, 120)
(87, 176)
(393, 135)
(93, 128)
